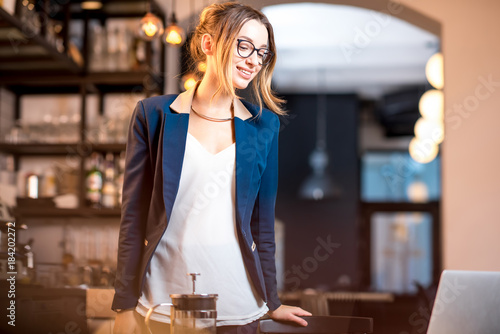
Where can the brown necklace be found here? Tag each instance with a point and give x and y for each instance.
(213, 119)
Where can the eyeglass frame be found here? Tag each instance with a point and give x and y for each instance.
(239, 40)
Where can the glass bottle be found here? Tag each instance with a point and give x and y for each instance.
(123, 57)
(49, 188)
(30, 18)
(99, 49)
(140, 54)
(94, 181)
(109, 191)
(121, 176)
(112, 40)
(33, 184)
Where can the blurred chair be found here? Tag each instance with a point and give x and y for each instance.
(315, 302)
(424, 305)
(319, 325)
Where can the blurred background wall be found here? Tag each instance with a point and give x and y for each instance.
(471, 183)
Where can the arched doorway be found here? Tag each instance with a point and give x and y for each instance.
(393, 8)
(310, 228)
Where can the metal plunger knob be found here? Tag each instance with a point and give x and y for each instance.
(193, 277)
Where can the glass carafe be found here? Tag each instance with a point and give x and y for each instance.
(190, 313)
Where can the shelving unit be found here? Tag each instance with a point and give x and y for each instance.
(100, 82)
(66, 213)
(25, 52)
(29, 64)
(82, 149)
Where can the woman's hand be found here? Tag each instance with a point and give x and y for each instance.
(289, 313)
(124, 322)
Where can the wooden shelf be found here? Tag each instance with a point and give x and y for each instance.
(111, 147)
(44, 212)
(24, 52)
(115, 8)
(108, 82)
(81, 149)
(103, 82)
(38, 149)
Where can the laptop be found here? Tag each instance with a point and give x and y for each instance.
(467, 302)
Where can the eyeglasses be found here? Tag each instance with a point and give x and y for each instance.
(246, 49)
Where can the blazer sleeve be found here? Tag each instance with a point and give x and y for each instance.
(136, 197)
(263, 220)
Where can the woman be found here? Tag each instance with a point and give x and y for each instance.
(200, 184)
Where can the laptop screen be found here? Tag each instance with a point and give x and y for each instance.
(467, 302)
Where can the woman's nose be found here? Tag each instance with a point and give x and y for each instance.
(253, 59)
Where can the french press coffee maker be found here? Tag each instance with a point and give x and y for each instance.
(190, 313)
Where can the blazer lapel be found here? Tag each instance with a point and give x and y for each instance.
(245, 158)
(174, 143)
(246, 154)
(175, 128)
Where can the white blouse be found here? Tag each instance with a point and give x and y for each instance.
(201, 238)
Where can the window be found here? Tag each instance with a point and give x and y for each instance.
(400, 223)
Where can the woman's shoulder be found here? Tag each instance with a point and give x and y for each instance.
(265, 117)
(152, 108)
(158, 102)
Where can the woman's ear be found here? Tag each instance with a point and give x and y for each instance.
(207, 44)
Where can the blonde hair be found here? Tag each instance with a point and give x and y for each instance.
(223, 22)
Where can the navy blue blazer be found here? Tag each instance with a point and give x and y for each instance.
(154, 157)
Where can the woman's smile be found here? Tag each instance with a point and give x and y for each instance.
(247, 74)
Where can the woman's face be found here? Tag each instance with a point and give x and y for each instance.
(245, 69)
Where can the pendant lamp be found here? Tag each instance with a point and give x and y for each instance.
(190, 77)
(151, 26)
(319, 185)
(174, 34)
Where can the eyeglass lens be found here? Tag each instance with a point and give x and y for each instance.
(246, 49)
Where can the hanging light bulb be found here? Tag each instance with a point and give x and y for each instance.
(418, 192)
(174, 35)
(189, 80)
(150, 26)
(434, 70)
(202, 67)
(429, 129)
(423, 151)
(91, 5)
(431, 105)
